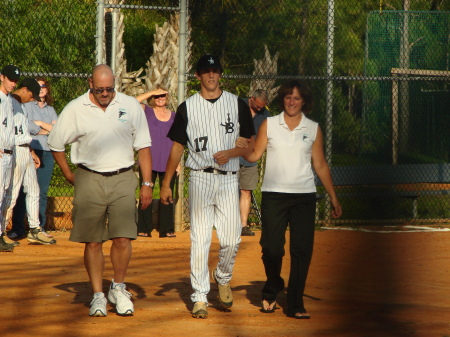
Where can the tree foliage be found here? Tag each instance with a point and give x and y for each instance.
(59, 36)
(50, 37)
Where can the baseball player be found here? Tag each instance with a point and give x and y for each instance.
(209, 123)
(8, 78)
(25, 162)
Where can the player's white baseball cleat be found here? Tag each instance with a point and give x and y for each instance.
(200, 310)
(225, 295)
(5, 247)
(36, 237)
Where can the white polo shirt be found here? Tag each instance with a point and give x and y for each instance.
(288, 162)
(101, 140)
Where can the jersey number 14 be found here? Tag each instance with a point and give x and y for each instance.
(19, 130)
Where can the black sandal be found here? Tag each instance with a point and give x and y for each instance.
(168, 235)
(270, 309)
(301, 315)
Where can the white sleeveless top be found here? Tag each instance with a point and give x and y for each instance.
(288, 163)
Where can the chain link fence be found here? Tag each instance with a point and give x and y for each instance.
(53, 39)
(379, 74)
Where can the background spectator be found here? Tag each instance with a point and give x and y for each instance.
(42, 117)
(159, 119)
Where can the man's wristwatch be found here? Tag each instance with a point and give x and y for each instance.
(148, 183)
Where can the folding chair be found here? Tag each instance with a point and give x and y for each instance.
(254, 208)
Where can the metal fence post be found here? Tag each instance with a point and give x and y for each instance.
(115, 14)
(329, 98)
(181, 97)
(404, 63)
(395, 133)
(100, 31)
(182, 52)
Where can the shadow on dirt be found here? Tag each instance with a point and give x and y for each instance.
(83, 293)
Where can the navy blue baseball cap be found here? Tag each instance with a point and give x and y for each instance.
(32, 85)
(208, 62)
(12, 72)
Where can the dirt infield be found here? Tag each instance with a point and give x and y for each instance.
(360, 284)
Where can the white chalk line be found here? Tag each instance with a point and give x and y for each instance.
(413, 229)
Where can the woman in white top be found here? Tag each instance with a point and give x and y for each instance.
(294, 147)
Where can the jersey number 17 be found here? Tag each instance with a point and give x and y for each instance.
(200, 143)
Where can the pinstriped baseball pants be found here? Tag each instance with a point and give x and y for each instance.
(23, 172)
(213, 201)
(5, 179)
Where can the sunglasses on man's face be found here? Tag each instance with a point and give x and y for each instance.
(43, 86)
(100, 90)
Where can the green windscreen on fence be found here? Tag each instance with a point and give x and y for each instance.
(407, 121)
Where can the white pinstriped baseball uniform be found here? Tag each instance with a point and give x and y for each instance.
(211, 126)
(6, 143)
(23, 172)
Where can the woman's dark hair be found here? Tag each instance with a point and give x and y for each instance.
(288, 87)
(49, 97)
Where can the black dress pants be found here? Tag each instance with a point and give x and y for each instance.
(278, 210)
(166, 222)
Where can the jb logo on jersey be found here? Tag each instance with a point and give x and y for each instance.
(229, 125)
(305, 138)
(122, 112)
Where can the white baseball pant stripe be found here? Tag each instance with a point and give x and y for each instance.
(213, 201)
(23, 173)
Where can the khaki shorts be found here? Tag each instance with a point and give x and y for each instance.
(248, 177)
(104, 207)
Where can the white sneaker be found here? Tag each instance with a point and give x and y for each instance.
(98, 305)
(121, 298)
